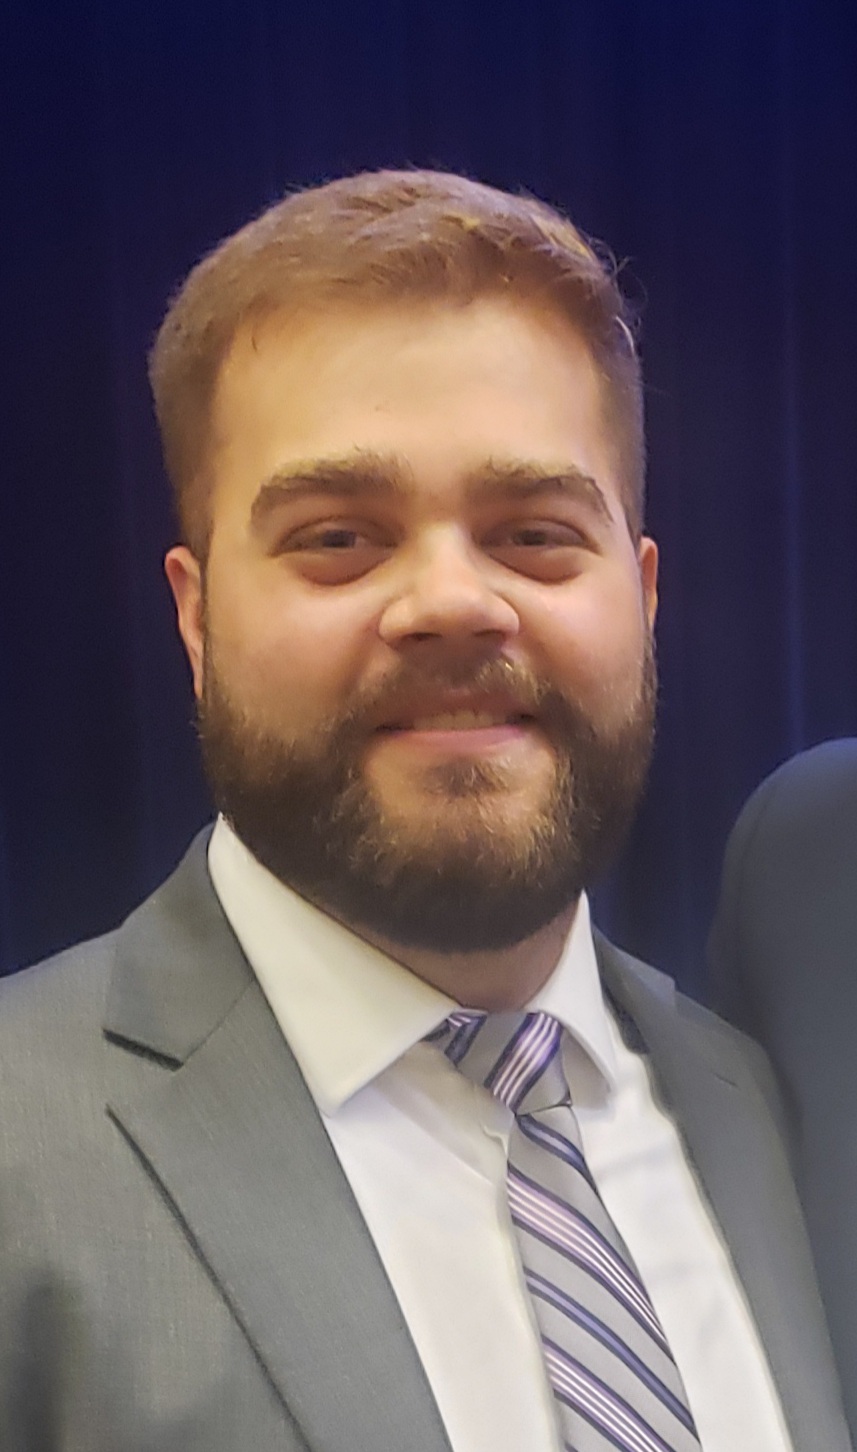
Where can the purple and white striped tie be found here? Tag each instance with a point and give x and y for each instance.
(614, 1378)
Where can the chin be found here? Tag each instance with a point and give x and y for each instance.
(461, 820)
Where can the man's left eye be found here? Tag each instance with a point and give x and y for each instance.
(337, 539)
(538, 536)
(548, 551)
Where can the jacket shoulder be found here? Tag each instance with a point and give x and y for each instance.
(813, 792)
(652, 1011)
(68, 983)
(52, 1046)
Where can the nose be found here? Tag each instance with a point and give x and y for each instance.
(445, 592)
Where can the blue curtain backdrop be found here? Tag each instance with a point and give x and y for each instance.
(713, 146)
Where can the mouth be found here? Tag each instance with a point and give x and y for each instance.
(467, 720)
(459, 726)
(456, 711)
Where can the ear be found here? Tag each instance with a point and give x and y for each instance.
(647, 557)
(184, 573)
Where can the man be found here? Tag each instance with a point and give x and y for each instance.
(351, 1138)
(783, 952)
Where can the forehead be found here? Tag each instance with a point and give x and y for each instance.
(447, 385)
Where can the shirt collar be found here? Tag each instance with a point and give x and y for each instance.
(347, 1010)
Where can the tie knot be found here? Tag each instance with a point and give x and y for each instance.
(515, 1055)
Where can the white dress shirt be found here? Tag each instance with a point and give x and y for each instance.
(424, 1151)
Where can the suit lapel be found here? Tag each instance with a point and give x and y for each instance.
(233, 1136)
(717, 1097)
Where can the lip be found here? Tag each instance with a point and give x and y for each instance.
(465, 741)
(465, 738)
(403, 717)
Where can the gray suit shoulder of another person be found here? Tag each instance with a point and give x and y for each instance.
(783, 955)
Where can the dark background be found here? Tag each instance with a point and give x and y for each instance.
(713, 146)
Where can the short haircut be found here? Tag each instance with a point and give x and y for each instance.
(377, 238)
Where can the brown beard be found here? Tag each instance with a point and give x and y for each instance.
(307, 812)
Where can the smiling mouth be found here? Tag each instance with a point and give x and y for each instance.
(462, 721)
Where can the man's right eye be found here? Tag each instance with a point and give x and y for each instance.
(333, 554)
(334, 537)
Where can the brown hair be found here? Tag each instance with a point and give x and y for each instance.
(378, 237)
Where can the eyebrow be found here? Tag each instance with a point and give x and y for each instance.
(358, 474)
(525, 481)
(367, 475)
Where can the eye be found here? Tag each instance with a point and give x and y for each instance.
(541, 536)
(546, 550)
(333, 537)
(337, 551)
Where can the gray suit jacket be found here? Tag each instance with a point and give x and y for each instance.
(182, 1265)
(784, 967)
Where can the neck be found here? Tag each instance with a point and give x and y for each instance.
(496, 981)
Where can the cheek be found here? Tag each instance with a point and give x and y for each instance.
(595, 643)
(285, 656)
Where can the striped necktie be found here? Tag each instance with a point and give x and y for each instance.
(613, 1376)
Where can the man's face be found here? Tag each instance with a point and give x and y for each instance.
(421, 643)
